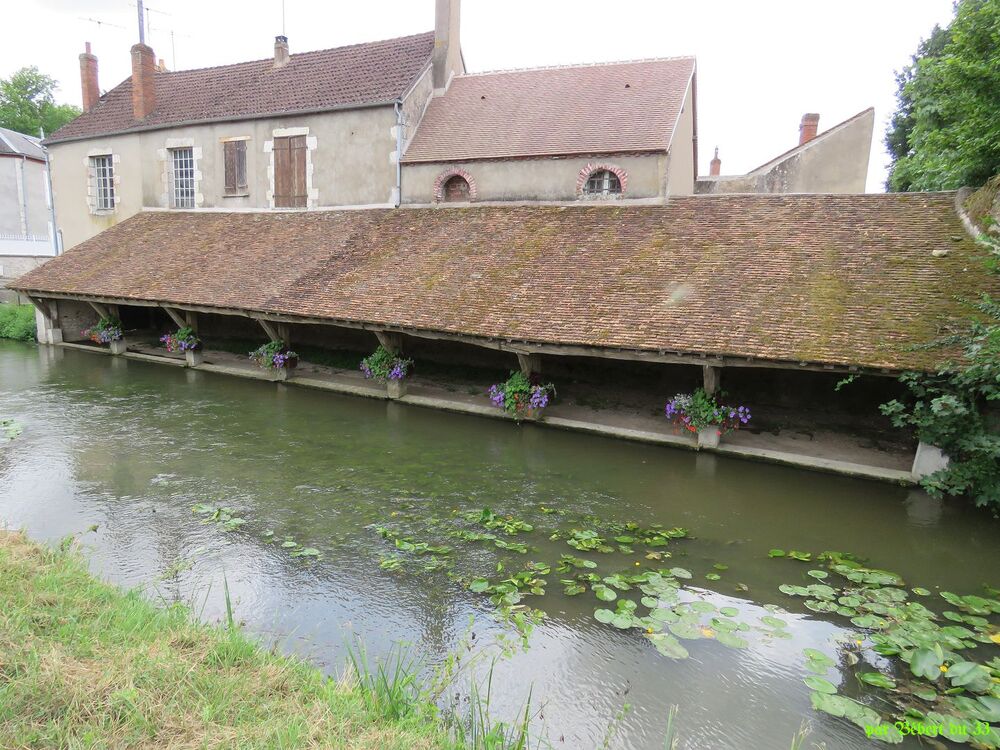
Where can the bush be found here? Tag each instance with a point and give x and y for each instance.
(384, 365)
(17, 322)
(519, 394)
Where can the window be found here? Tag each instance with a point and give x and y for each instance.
(104, 182)
(182, 161)
(290, 172)
(603, 182)
(235, 153)
(456, 189)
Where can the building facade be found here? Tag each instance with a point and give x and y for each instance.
(27, 236)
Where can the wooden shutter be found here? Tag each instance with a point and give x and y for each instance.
(290, 172)
(236, 166)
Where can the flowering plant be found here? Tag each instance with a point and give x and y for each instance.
(694, 411)
(384, 365)
(107, 330)
(274, 355)
(518, 394)
(184, 340)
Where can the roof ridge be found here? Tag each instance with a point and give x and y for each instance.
(578, 65)
(293, 55)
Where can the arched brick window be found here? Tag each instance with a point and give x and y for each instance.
(454, 186)
(456, 189)
(601, 181)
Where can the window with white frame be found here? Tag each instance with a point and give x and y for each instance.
(182, 168)
(104, 182)
(603, 182)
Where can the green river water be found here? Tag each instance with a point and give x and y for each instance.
(131, 447)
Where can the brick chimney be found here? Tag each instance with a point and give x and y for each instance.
(143, 80)
(808, 127)
(281, 56)
(715, 165)
(447, 57)
(88, 79)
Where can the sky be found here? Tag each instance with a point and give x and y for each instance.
(761, 64)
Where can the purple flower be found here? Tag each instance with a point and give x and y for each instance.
(539, 398)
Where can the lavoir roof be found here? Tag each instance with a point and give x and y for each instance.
(843, 280)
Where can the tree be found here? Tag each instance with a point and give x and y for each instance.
(27, 103)
(945, 132)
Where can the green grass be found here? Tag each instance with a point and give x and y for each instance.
(17, 322)
(85, 665)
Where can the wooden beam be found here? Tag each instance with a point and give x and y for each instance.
(529, 363)
(100, 309)
(175, 316)
(509, 345)
(390, 341)
(270, 329)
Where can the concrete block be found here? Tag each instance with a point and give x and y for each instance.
(396, 388)
(194, 357)
(708, 437)
(928, 460)
(118, 347)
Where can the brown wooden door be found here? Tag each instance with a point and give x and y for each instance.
(290, 172)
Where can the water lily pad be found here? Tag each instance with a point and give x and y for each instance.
(605, 616)
(289, 544)
(776, 553)
(920, 591)
(729, 611)
(479, 586)
(877, 679)
(712, 577)
(927, 662)
(680, 573)
(604, 593)
(820, 684)
(731, 640)
(668, 645)
(774, 622)
(818, 574)
(685, 629)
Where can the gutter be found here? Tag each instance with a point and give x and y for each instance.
(52, 197)
(398, 107)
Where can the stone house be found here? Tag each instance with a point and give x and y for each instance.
(27, 238)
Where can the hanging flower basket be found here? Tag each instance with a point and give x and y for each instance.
(520, 397)
(274, 355)
(385, 366)
(704, 416)
(184, 340)
(105, 331)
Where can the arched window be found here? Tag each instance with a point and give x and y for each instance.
(602, 182)
(457, 190)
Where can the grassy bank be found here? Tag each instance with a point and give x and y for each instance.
(17, 322)
(83, 664)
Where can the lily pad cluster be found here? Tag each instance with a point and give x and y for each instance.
(228, 520)
(932, 661)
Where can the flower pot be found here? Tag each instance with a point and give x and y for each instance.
(194, 357)
(291, 363)
(396, 388)
(281, 373)
(708, 437)
(117, 346)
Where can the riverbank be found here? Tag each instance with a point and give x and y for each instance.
(85, 664)
(17, 322)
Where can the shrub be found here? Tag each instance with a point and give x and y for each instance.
(17, 322)
(694, 411)
(274, 355)
(107, 330)
(384, 365)
(518, 394)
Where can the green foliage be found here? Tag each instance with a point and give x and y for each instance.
(383, 365)
(956, 407)
(945, 132)
(27, 104)
(17, 322)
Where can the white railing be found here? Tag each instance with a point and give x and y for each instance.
(25, 244)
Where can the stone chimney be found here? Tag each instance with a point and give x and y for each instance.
(88, 79)
(447, 47)
(281, 56)
(143, 80)
(161, 66)
(808, 127)
(715, 166)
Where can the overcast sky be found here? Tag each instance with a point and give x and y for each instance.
(761, 64)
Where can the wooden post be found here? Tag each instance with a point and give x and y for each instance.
(710, 378)
(191, 318)
(391, 342)
(175, 316)
(529, 363)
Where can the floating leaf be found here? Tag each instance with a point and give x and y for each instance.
(604, 593)
(730, 639)
(927, 662)
(820, 685)
(479, 586)
(774, 622)
(919, 591)
(712, 577)
(729, 611)
(604, 615)
(818, 574)
(877, 679)
(668, 645)
(776, 553)
(680, 573)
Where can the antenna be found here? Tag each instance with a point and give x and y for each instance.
(100, 23)
(283, 18)
(142, 23)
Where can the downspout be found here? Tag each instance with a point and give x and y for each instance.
(398, 106)
(52, 197)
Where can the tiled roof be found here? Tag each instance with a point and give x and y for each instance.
(13, 143)
(360, 74)
(583, 109)
(835, 279)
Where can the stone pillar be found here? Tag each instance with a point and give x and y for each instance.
(928, 460)
(710, 378)
(47, 329)
(194, 357)
(118, 347)
(396, 388)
